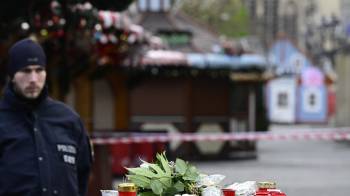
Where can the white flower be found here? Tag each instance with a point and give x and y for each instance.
(211, 180)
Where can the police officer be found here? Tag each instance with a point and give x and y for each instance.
(44, 148)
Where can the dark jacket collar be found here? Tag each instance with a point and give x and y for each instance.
(15, 102)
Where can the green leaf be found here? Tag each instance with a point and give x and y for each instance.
(157, 187)
(192, 170)
(148, 193)
(179, 186)
(166, 181)
(171, 191)
(191, 173)
(159, 172)
(140, 181)
(164, 162)
(160, 178)
(180, 166)
(142, 172)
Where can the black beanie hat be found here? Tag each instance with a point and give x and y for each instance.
(24, 53)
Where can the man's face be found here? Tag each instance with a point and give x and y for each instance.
(30, 81)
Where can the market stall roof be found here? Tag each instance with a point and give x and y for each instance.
(203, 61)
(253, 60)
(288, 58)
(212, 60)
(312, 76)
(164, 58)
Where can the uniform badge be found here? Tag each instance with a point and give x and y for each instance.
(68, 153)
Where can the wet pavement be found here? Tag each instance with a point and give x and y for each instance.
(300, 168)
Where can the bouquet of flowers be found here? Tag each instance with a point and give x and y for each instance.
(166, 178)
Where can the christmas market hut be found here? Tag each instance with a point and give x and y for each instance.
(184, 87)
(299, 93)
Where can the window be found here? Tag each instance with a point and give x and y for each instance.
(282, 100)
(312, 100)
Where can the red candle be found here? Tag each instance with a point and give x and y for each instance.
(228, 192)
(127, 189)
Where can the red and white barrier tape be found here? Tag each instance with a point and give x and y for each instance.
(241, 136)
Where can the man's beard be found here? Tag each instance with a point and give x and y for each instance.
(25, 93)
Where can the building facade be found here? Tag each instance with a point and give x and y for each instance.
(269, 17)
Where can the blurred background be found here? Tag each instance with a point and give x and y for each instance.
(138, 68)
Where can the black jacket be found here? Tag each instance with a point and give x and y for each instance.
(44, 148)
